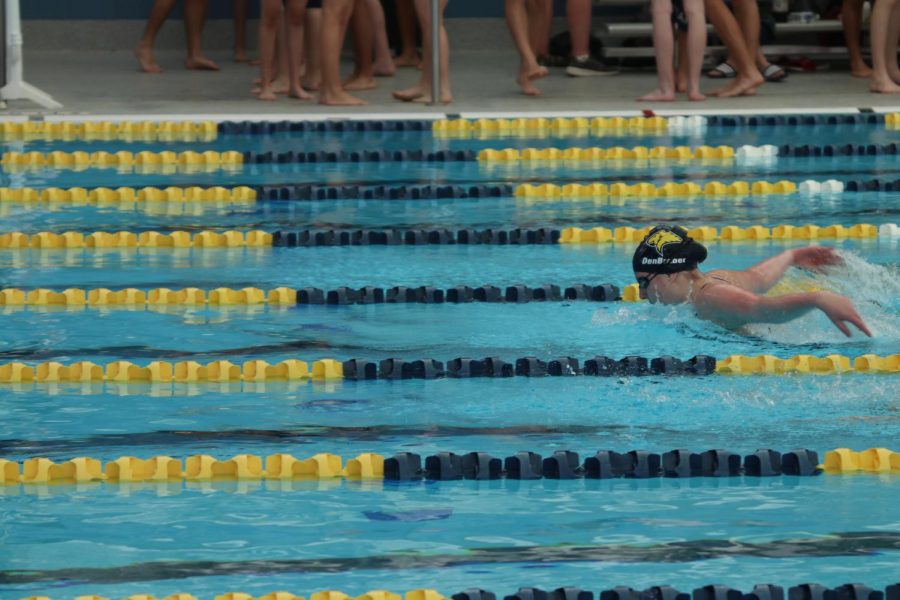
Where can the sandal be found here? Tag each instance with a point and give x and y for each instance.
(774, 74)
(721, 71)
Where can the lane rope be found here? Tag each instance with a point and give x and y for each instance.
(77, 195)
(448, 466)
(224, 371)
(415, 237)
(191, 296)
(766, 591)
(122, 160)
(124, 131)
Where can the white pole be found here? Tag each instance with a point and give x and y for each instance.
(16, 88)
(435, 52)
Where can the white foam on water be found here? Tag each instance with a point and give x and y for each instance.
(622, 315)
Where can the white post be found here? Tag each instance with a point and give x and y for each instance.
(435, 52)
(16, 88)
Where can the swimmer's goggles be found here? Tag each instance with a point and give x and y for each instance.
(644, 282)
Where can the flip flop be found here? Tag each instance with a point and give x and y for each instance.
(721, 71)
(774, 74)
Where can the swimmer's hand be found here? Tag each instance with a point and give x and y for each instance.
(841, 311)
(815, 258)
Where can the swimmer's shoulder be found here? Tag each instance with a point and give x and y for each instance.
(728, 277)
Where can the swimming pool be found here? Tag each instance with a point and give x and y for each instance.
(66, 536)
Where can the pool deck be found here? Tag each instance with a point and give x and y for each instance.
(108, 83)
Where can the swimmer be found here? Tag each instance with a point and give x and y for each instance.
(665, 266)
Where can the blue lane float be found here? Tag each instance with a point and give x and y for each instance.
(794, 120)
(358, 156)
(528, 366)
(381, 192)
(604, 464)
(460, 294)
(330, 125)
(414, 237)
(806, 150)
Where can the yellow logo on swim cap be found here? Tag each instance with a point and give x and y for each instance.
(663, 238)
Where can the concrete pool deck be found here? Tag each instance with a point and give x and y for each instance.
(96, 82)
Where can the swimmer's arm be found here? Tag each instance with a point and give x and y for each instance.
(733, 307)
(762, 276)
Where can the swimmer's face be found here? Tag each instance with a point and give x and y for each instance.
(661, 288)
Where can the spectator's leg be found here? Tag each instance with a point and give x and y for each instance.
(295, 21)
(578, 16)
(893, 44)
(529, 70)
(144, 51)
(664, 48)
(747, 14)
(446, 93)
(269, 24)
(681, 61)
(363, 76)
(240, 30)
(194, 18)
(884, 49)
(851, 17)
(748, 77)
(312, 78)
(421, 92)
(384, 63)
(696, 46)
(335, 16)
(406, 23)
(540, 17)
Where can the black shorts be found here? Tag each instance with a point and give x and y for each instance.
(679, 20)
(313, 3)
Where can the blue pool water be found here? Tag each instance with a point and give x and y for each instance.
(210, 538)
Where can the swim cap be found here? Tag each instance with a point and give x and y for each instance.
(668, 249)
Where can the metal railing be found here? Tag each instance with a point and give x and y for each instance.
(14, 86)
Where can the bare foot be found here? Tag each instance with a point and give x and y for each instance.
(384, 68)
(146, 61)
(658, 95)
(200, 63)
(743, 85)
(861, 70)
(446, 98)
(240, 55)
(409, 95)
(299, 93)
(882, 86)
(279, 86)
(267, 95)
(406, 60)
(529, 73)
(696, 96)
(340, 98)
(311, 85)
(528, 88)
(355, 83)
(681, 85)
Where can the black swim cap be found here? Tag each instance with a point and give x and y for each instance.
(668, 249)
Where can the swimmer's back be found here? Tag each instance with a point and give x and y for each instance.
(742, 279)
